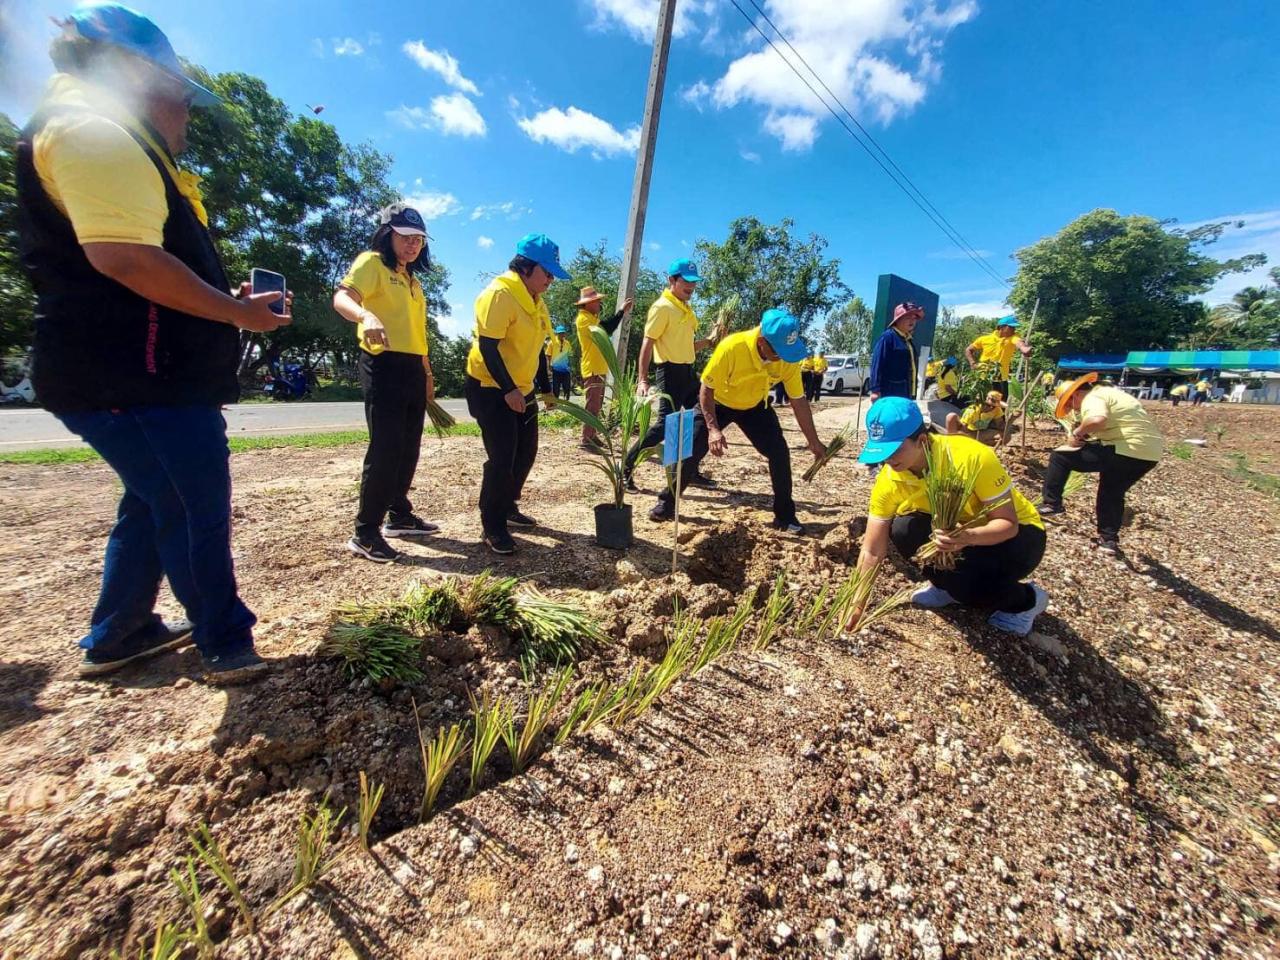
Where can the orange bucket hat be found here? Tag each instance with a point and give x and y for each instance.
(1066, 391)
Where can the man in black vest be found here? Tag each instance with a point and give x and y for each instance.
(137, 332)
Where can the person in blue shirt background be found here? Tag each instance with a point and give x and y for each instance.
(560, 360)
(893, 359)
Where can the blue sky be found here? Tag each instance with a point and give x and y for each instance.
(1013, 118)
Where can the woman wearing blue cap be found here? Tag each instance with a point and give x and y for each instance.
(560, 358)
(505, 362)
(992, 558)
(996, 350)
(382, 296)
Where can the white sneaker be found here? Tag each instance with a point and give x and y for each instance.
(1021, 623)
(932, 598)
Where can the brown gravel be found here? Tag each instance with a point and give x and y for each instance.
(932, 788)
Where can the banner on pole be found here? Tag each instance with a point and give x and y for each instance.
(677, 442)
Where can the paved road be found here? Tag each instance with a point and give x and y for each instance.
(35, 429)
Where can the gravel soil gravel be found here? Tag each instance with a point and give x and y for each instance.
(928, 788)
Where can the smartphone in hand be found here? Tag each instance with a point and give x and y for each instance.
(268, 281)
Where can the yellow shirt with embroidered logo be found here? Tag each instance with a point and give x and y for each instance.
(94, 171)
(395, 298)
(898, 493)
(507, 312)
(740, 376)
(997, 349)
(671, 325)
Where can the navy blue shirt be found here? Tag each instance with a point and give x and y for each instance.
(893, 365)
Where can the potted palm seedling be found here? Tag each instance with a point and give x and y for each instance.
(624, 419)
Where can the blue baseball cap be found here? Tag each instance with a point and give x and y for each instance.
(890, 421)
(129, 30)
(539, 248)
(685, 269)
(1009, 321)
(782, 331)
(560, 328)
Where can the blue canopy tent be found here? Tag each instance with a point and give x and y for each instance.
(1194, 361)
(1092, 361)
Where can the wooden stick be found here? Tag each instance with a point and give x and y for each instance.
(1026, 387)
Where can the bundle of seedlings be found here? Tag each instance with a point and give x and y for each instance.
(441, 419)
(838, 443)
(855, 594)
(948, 487)
(488, 599)
(376, 649)
(429, 605)
(551, 632)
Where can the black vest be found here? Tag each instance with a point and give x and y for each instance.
(98, 345)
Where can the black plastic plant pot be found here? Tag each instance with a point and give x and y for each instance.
(613, 526)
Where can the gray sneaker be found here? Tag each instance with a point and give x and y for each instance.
(228, 669)
(1021, 623)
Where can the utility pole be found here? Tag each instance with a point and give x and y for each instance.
(644, 167)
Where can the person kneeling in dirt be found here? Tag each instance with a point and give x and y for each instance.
(1130, 446)
(735, 385)
(992, 557)
(983, 421)
(137, 332)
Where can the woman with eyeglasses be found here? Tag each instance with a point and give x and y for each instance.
(383, 296)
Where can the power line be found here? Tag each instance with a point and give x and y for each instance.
(921, 202)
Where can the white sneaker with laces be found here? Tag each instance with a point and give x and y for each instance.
(1021, 623)
(932, 598)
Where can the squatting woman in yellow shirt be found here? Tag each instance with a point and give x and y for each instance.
(383, 297)
(992, 558)
(505, 361)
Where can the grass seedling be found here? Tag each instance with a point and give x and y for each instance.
(166, 944)
(1181, 450)
(438, 758)
(578, 711)
(838, 443)
(949, 488)
(776, 607)
(488, 719)
(377, 650)
(551, 632)
(594, 705)
(722, 636)
(883, 610)
(309, 861)
(523, 744)
(210, 852)
(441, 419)
(489, 599)
(370, 801)
(630, 692)
(645, 686)
(428, 604)
(188, 885)
(811, 615)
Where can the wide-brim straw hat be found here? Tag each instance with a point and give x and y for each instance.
(588, 295)
(1066, 391)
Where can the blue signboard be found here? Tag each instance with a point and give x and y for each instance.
(675, 445)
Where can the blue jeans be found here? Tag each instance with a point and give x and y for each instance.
(174, 520)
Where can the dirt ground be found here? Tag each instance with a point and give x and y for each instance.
(929, 788)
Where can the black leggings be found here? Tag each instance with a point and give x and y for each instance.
(989, 578)
(1116, 474)
(395, 406)
(511, 443)
(761, 426)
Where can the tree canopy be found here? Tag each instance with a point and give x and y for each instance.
(1109, 283)
(16, 297)
(1249, 321)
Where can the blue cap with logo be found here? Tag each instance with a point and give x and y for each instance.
(782, 331)
(560, 328)
(539, 248)
(129, 30)
(685, 269)
(890, 421)
(1009, 321)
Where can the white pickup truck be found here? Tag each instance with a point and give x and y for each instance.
(844, 373)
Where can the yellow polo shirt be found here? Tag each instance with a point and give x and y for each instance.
(592, 363)
(557, 348)
(948, 385)
(505, 311)
(671, 325)
(977, 417)
(997, 349)
(897, 494)
(1128, 428)
(395, 298)
(806, 365)
(820, 364)
(741, 378)
(94, 171)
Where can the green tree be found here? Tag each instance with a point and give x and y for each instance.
(767, 266)
(16, 296)
(848, 329)
(1109, 283)
(1249, 321)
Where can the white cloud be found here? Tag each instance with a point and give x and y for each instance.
(440, 62)
(509, 210)
(317, 47)
(449, 114)
(347, 47)
(573, 129)
(655, 246)
(877, 56)
(750, 156)
(639, 18)
(484, 243)
(458, 322)
(432, 204)
(1259, 233)
(980, 308)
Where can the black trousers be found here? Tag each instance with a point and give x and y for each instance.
(988, 578)
(395, 406)
(1116, 474)
(813, 387)
(761, 426)
(779, 394)
(561, 383)
(511, 444)
(680, 383)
